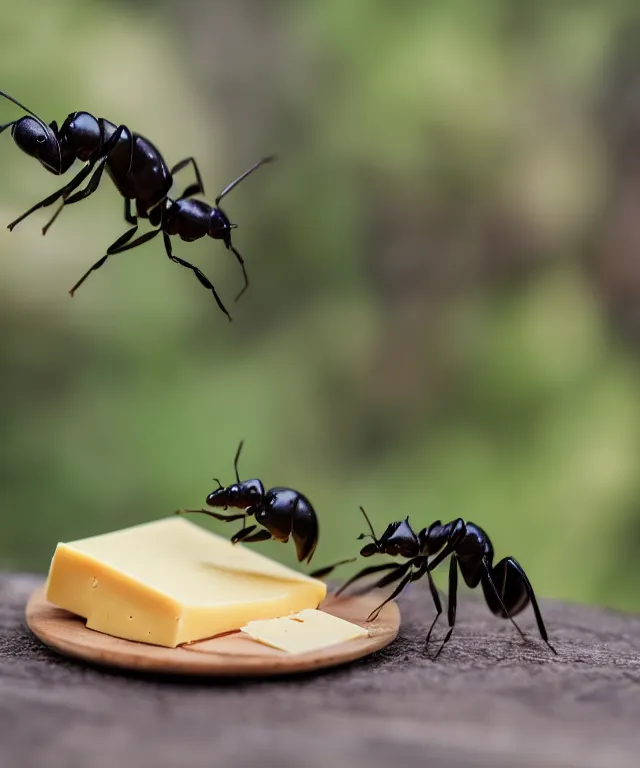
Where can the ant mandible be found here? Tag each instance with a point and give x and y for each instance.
(507, 590)
(282, 513)
(139, 173)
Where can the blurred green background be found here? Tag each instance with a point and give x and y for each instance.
(444, 315)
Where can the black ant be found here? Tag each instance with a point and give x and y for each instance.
(506, 588)
(282, 512)
(138, 172)
(190, 220)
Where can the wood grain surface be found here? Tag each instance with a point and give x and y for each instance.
(489, 700)
(232, 655)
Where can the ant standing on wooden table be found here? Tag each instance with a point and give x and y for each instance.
(506, 588)
(138, 172)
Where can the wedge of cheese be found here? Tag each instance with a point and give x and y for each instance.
(171, 581)
(308, 630)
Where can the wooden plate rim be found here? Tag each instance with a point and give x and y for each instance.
(67, 634)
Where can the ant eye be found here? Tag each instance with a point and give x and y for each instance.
(41, 139)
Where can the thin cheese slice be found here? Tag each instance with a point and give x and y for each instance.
(170, 582)
(308, 630)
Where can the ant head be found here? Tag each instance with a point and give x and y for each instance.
(368, 549)
(240, 495)
(38, 140)
(220, 227)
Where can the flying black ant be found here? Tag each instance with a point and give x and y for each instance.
(506, 588)
(190, 220)
(282, 512)
(138, 172)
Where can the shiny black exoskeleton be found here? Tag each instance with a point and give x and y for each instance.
(135, 166)
(282, 513)
(506, 588)
(138, 172)
(190, 220)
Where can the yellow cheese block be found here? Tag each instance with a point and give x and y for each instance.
(308, 630)
(170, 582)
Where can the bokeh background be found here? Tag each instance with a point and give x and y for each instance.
(444, 315)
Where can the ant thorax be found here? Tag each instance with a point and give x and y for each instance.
(402, 541)
(241, 495)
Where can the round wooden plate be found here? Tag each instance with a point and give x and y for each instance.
(234, 654)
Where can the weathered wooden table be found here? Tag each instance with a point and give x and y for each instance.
(488, 701)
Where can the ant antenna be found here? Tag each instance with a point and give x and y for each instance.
(235, 461)
(243, 176)
(242, 266)
(373, 533)
(39, 119)
(22, 106)
(215, 479)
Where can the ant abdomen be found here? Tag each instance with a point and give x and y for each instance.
(288, 513)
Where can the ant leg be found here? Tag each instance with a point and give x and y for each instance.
(436, 601)
(131, 219)
(73, 184)
(134, 244)
(507, 615)
(89, 190)
(512, 563)
(387, 580)
(438, 605)
(453, 602)
(95, 179)
(367, 572)
(54, 217)
(215, 515)
(64, 192)
(203, 280)
(91, 187)
(261, 535)
(193, 189)
(398, 573)
(456, 536)
(242, 267)
(243, 532)
(117, 247)
(322, 573)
